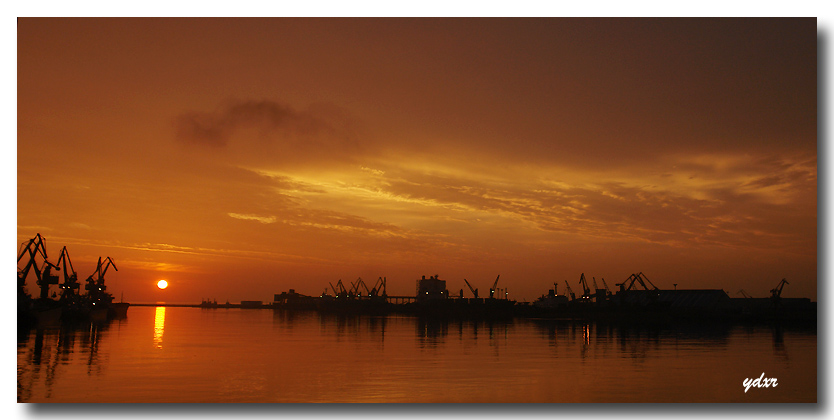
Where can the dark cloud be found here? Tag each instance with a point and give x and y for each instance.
(263, 131)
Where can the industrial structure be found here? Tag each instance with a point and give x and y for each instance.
(48, 307)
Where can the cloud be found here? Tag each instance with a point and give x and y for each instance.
(726, 199)
(267, 132)
(264, 220)
(731, 201)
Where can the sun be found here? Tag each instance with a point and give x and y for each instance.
(162, 284)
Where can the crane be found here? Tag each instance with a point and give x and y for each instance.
(47, 279)
(639, 277)
(586, 290)
(341, 292)
(360, 282)
(607, 290)
(492, 289)
(33, 247)
(379, 287)
(95, 283)
(569, 291)
(474, 291)
(743, 293)
(70, 285)
(354, 287)
(776, 292)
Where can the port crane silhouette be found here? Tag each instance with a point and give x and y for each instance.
(586, 294)
(95, 283)
(776, 292)
(70, 286)
(636, 278)
(493, 288)
(568, 290)
(474, 291)
(34, 247)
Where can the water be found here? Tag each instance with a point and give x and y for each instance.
(163, 354)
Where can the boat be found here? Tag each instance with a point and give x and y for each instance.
(117, 310)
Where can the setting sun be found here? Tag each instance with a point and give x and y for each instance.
(162, 284)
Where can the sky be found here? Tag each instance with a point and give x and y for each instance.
(239, 158)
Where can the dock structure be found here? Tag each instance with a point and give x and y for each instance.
(431, 288)
(637, 300)
(400, 300)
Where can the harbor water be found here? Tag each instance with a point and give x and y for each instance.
(179, 354)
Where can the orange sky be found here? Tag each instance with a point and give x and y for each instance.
(239, 158)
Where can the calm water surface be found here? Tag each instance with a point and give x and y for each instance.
(163, 354)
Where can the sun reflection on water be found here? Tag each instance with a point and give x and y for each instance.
(158, 326)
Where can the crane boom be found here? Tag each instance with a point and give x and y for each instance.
(639, 277)
(643, 276)
(360, 282)
(474, 291)
(569, 291)
(584, 283)
(776, 292)
(492, 289)
(33, 247)
(379, 287)
(109, 263)
(342, 291)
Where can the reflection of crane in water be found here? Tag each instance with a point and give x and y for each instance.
(586, 340)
